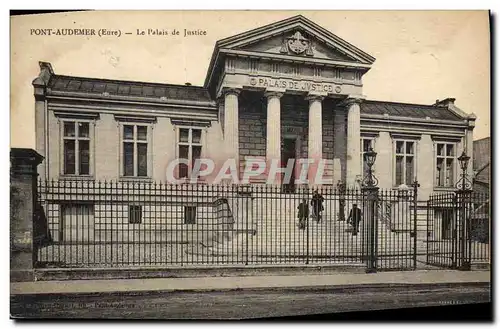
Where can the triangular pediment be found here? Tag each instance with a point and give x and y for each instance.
(298, 43)
(297, 37)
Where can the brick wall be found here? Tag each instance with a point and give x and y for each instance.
(252, 130)
(328, 133)
(295, 117)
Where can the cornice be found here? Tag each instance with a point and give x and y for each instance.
(295, 59)
(96, 109)
(190, 122)
(135, 118)
(76, 115)
(129, 100)
(411, 120)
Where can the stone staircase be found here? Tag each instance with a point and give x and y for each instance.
(276, 234)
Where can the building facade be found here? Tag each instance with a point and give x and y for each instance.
(288, 90)
(481, 165)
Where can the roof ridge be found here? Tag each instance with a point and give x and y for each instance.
(401, 103)
(129, 82)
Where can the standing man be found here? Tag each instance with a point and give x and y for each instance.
(341, 188)
(317, 205)
(354, 218)
(303, 214)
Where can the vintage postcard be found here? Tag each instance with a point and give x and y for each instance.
(261, 164)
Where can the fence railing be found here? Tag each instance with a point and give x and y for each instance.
(458, 229)
(99, 224)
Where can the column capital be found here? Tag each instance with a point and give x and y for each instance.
(351, 100)
(273, 94)
(231, 91)
(314, 97)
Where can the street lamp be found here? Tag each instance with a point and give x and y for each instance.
(369, 158)
(370, 199)
(464, 187)
(464, 183)
(464, 161)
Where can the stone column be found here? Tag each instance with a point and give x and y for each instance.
(24, 237)
(273, 131)
(315, 133)
(353, 163)
(231, 137)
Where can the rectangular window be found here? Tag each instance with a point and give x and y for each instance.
(135, 150)
(76, 148)
(405, 162)
(77, 223)
(189, 148)
(366, 144)
(189, 215)
(445, 164)
(135, 214)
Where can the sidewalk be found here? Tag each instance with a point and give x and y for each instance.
(337, 280)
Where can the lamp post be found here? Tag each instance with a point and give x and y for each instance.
(464, 190)
(370, 196)
(464, 183)
(369, 157)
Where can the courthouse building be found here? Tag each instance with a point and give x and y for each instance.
(290, 89)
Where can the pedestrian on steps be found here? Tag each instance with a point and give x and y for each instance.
(354, 219)
(317, 205)
(303, 214)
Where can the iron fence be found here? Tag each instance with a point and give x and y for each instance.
(458, 229)
(129, 223)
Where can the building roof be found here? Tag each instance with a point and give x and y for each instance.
(481, 160)
(128, 88)
(408, 110)
(189, 93)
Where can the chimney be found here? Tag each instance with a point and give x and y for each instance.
(445, 102)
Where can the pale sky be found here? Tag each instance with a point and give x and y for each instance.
(420, 56)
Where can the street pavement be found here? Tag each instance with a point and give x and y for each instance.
(249, 304)
(246, 297)
(249, 282)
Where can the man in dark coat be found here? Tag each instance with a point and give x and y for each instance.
(354, 218)
(303, 214)
(317, 205)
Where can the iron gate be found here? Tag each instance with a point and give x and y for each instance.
(394, 230)
(458, 229)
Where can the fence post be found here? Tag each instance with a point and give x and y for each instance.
(370, 197)
(464, 196)
(416, 185)
(23, 228)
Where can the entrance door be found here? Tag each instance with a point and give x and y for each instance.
(288, 151)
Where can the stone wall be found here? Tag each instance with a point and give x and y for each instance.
(252, 129)
(340, 139)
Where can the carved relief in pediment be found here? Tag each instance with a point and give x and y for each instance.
(297, 44)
